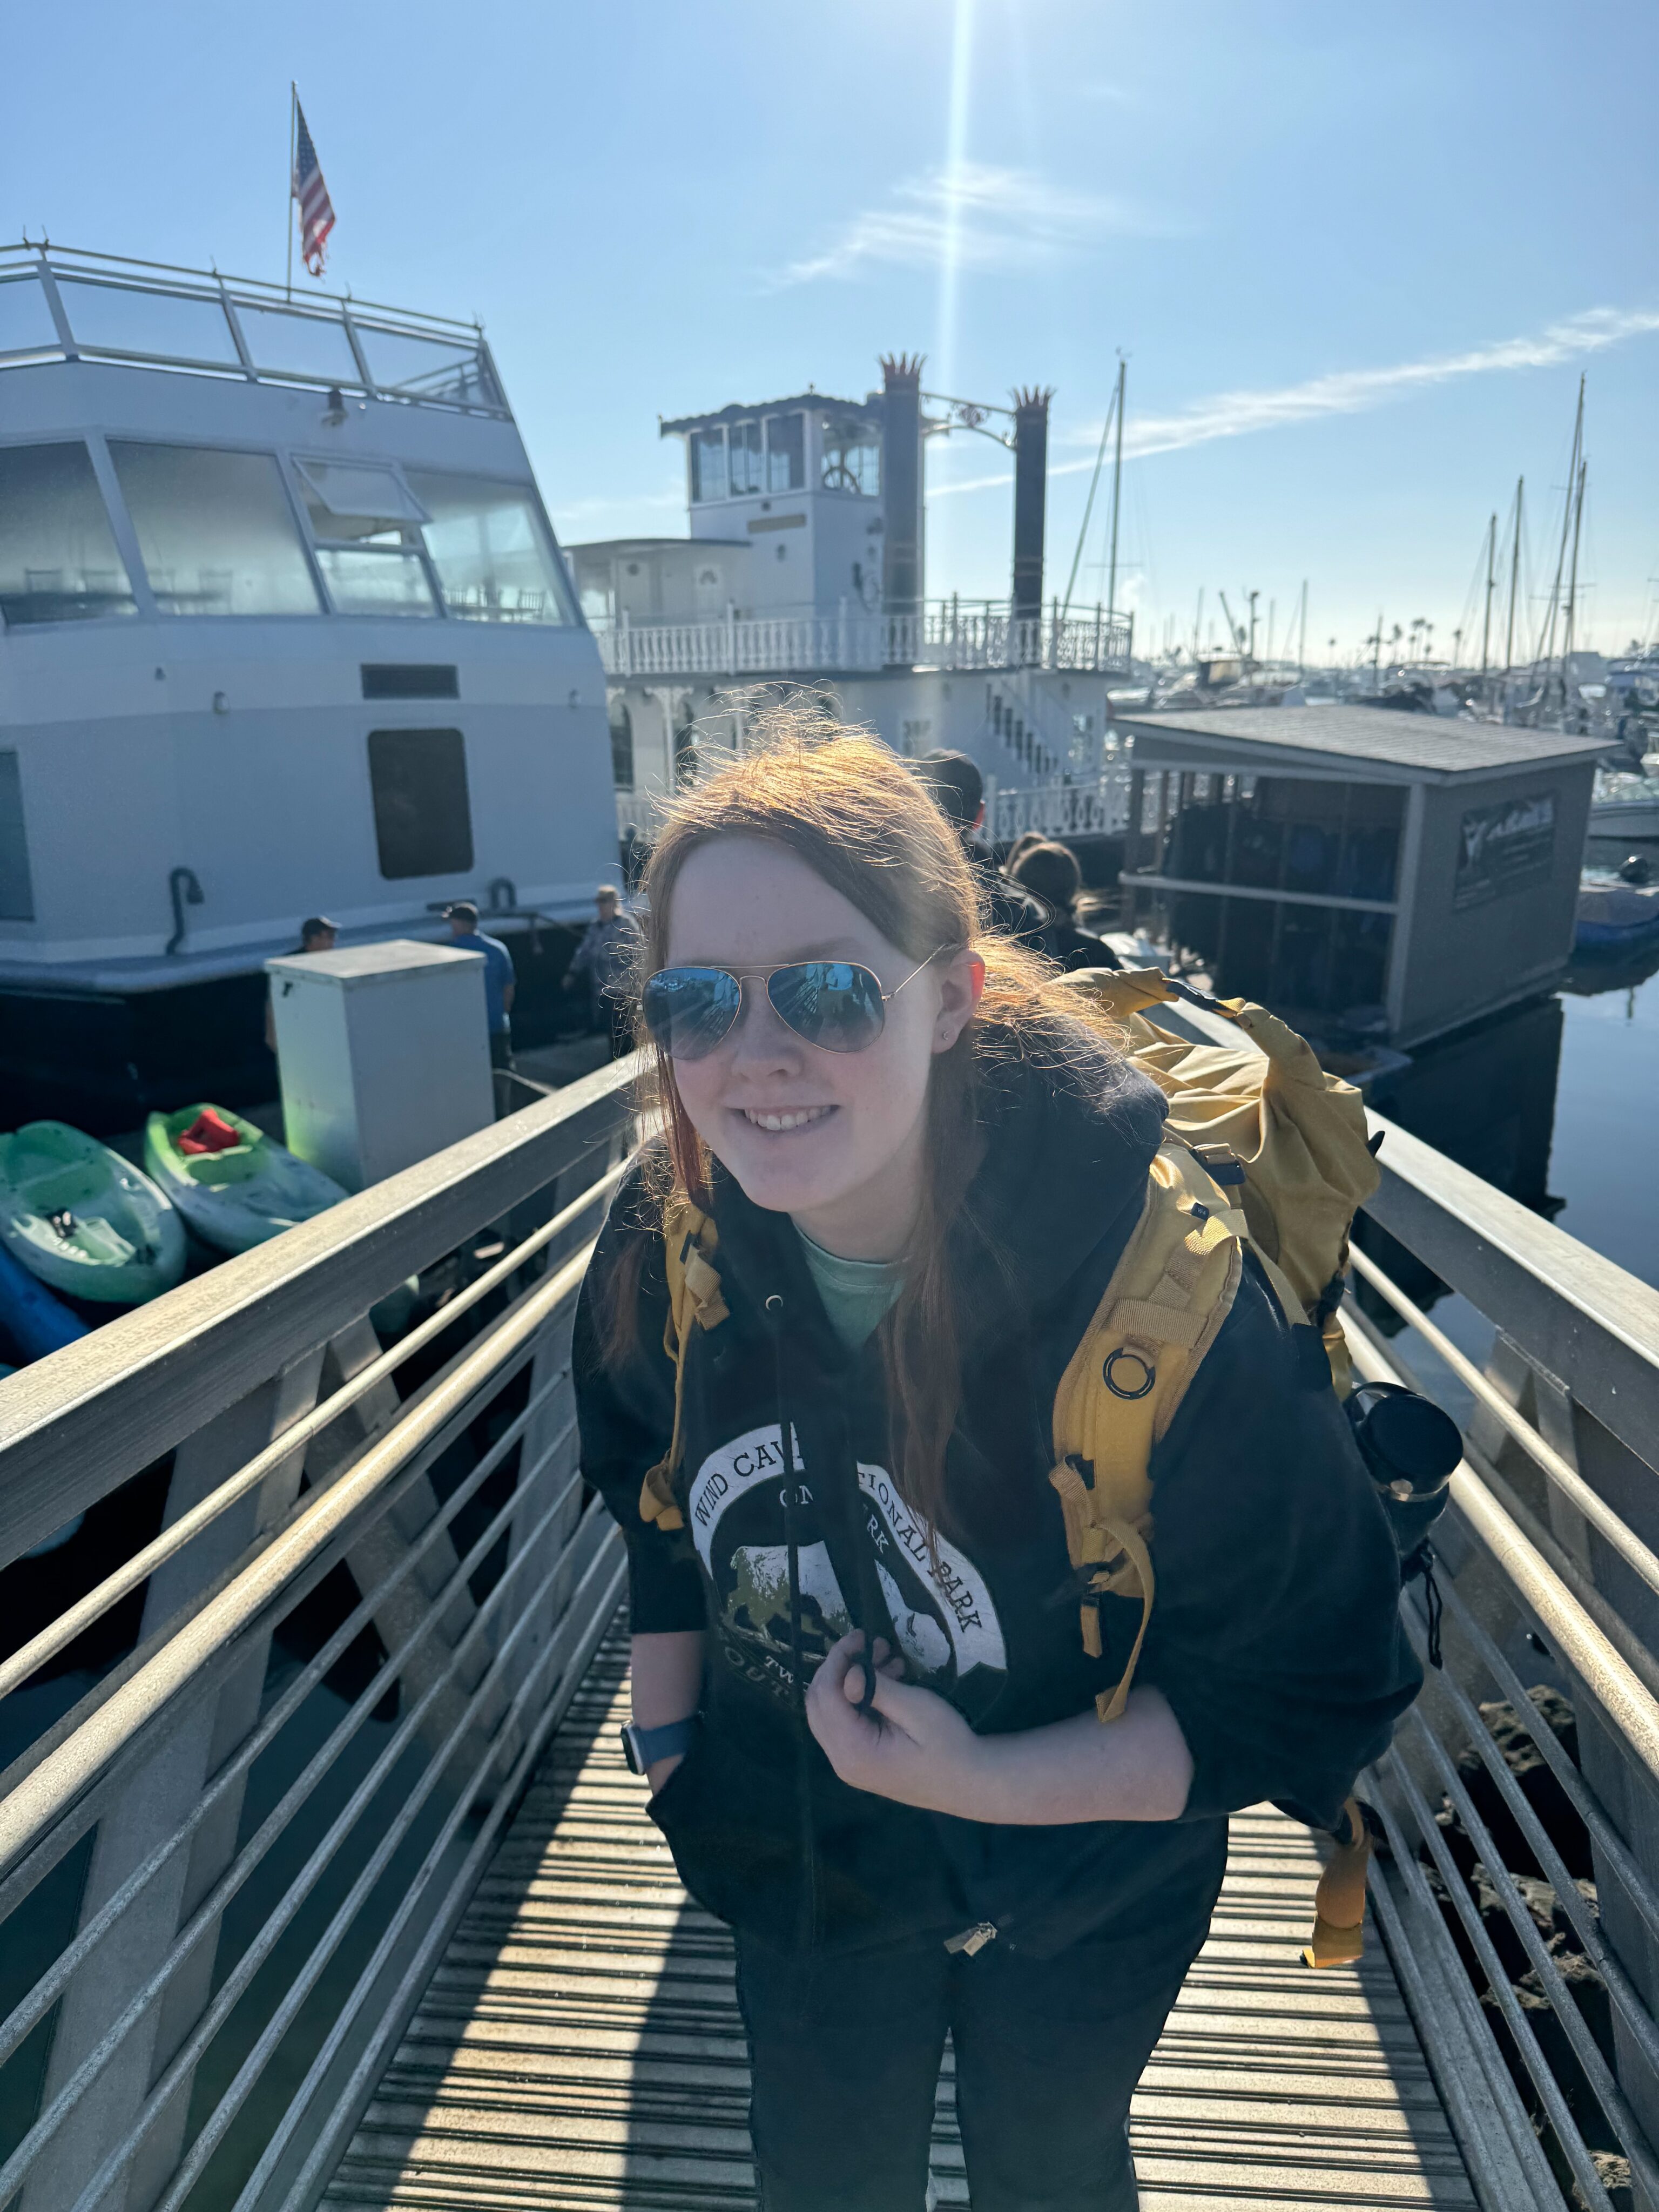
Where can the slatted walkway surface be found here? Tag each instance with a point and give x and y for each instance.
(580, 2045)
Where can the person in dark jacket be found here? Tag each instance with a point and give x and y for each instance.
(1049, 872)
(919, 1177)
(958, 789)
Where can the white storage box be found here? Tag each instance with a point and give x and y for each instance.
(384, 1054)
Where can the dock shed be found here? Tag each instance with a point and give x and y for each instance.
(1357, 869)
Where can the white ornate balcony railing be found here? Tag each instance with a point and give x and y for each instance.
(1090, 807)
(945, 635)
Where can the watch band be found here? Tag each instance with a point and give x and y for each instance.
(643, 1748)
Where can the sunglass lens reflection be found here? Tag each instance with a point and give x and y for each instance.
(689, 1010)
(830, 1003)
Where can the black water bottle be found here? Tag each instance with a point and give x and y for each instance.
(1411, 1447)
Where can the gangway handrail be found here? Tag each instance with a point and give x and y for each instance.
(1567, 1480)
(1581, 1315)
(151, 1766)
(127, 1578)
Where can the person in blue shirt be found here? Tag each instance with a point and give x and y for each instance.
(499, 978)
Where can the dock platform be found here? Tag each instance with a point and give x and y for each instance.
(580, 2045)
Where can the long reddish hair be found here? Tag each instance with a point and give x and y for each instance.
(841, 801)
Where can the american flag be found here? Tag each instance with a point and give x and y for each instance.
(316, 209)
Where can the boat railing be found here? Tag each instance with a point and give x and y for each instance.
(265, 1751)
(374, 1584)
(1086, 805)
(58, 303)
(946, 634)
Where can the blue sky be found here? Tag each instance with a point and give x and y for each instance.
(1357, 258)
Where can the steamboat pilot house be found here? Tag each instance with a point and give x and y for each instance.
(285, 631)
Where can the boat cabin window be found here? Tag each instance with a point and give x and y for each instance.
(708, 479)
(283, 344)
(16, 889)
(851, 457)
(450, 369)
(57, 557)
(357, 499)
(786, 452)
(217, 533)
(422, 819)
(372, 567)
(494, 559)
(121, 319)
(746, 464)
(376, 583)
(26, 324)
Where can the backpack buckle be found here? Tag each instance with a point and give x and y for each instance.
(1219, 1162)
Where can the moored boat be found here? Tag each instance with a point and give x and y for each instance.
(234, 1185)
(1625, 804)
(1611, 915)
(83, 1219)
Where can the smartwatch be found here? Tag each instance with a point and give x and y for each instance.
(643, 1748)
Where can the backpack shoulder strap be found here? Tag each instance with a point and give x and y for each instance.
(690, 1242)
(1158, 1316)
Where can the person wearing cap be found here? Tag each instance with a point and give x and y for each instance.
(958, 789)
(604, 963)
(316, 935)
(501, 978)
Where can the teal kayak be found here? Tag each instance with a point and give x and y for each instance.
(234, 1185)
(84, 1221)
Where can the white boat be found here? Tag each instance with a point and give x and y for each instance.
(284, 630)
(234, 1185)
(1624, 804)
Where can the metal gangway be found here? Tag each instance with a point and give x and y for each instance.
(321, 1881)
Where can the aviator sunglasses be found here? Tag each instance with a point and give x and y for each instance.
(835, 1005)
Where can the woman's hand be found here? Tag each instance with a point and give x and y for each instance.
(921, 1752)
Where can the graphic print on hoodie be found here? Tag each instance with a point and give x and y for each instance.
(939, 1606)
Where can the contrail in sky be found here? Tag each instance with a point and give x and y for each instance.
(1348, 391)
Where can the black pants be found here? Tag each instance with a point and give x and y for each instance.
(845, 2053)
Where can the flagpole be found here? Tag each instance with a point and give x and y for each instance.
(292, 146)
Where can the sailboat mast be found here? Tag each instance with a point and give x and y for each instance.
(1198, 625)
(1515, 577)
(1547, 653)
(1572, 585)
(1491, 578)
(1117, 489)
(1302, 634)
(1089, 507)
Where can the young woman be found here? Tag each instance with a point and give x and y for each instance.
(920, 1176)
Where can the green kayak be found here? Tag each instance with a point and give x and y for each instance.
(85, 1220)
(234, 1185)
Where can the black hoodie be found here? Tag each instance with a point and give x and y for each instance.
(1274, 1635)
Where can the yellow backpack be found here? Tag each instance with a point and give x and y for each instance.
(1262, 1147)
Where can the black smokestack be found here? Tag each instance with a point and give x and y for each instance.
(1030, 498)
(901, 484)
